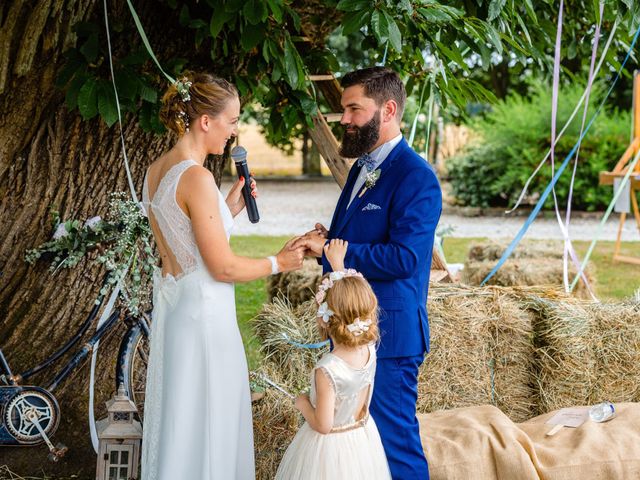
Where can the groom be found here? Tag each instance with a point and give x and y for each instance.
(388, 212)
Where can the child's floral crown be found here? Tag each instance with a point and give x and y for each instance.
(358, 327)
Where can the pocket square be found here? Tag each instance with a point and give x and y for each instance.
(371, 206)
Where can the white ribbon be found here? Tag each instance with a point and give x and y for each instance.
(106, 313)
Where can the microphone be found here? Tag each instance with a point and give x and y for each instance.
(239, 156)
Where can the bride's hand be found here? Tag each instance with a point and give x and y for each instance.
(235, 200)
(290, 258)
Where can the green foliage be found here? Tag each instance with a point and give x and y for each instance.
(259, 46)
(122, 240)
(514, 138)
(89, 88)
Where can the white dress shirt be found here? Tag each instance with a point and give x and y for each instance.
(379, 155)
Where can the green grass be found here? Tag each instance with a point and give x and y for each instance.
(614, 280)
(251, 296)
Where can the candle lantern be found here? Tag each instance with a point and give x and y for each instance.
(119, 436)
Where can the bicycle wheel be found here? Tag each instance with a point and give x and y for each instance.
(131, 370)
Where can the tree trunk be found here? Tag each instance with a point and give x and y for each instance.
(310, 157)
(50, 157)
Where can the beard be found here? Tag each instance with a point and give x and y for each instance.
(357, 143)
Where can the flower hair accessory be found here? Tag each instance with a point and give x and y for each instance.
(327, 283)
(325, 312)
(358, 327)
(183, 89)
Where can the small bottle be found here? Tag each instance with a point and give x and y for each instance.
(602, 412)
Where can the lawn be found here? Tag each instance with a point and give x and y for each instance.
(614, 280)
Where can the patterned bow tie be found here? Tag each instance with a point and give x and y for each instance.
(368, 161)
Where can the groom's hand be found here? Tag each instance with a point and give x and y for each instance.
(313, 243)
(322, 230)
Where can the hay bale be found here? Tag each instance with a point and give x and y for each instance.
(275, 423)
(298, 286)
(586, 352)
(526, 272)
(481, 352)
(276, 326)
(493, 250)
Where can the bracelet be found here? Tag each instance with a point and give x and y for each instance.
(274, 264)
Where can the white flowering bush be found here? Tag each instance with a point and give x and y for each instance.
(122, 241)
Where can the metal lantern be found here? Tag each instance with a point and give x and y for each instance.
(119, 436)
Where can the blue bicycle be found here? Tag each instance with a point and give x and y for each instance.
(30, 414)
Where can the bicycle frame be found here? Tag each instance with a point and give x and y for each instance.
(11, 379)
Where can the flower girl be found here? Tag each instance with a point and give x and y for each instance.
(339, 440)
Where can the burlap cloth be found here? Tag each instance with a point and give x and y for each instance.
(481, 443)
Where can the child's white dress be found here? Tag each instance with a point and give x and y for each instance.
(353, 449)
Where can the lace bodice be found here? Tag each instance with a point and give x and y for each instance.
(348, 384)
(174, 224)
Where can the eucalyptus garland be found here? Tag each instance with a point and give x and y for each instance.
(122, 241)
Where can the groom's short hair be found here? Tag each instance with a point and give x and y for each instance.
(381, 84)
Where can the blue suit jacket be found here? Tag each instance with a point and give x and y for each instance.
(390, 230)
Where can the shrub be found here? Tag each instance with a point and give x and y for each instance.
(515, 136)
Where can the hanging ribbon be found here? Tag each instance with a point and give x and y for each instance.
(566, 125)
(610, 208)
(384, 57)
(514, 243)
(412, 135)
(108, 309)
(569, 251)
(145, 40)
(106, 313)
(115, 90)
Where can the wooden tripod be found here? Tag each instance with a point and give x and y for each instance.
(619, 171)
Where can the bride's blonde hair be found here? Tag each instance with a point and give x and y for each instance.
(203, 93)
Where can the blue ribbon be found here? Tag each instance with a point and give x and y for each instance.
(514, 243)
(304, 345)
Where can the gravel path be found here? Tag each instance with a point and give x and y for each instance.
(292, 207)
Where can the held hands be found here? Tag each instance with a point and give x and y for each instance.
(313, 241)
(335, 251)
(290, 257)
(235, 200)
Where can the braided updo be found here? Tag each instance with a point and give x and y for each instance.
(207, 94)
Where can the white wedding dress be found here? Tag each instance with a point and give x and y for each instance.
(197, 414)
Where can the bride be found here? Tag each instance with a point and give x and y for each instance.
(197, 419)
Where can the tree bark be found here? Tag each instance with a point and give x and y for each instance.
(50, 157)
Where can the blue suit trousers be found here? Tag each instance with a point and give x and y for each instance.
(393, 407)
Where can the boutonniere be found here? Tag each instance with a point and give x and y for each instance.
(370, 181)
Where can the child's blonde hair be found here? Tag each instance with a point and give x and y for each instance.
(350, 299)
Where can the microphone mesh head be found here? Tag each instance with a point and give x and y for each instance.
(238, 153)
